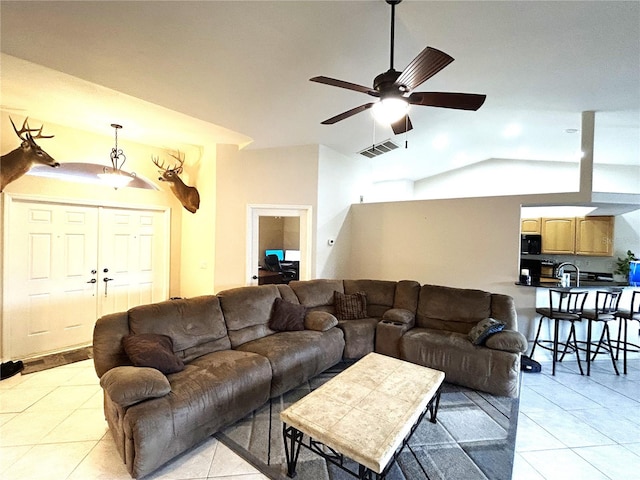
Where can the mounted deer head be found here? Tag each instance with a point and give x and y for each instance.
(19, 161)
(188, 196)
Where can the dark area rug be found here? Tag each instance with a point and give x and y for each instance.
(474, 438)
(56, 360)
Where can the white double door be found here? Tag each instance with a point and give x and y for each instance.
(66, 265)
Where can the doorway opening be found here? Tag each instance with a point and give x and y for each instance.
(285, 229)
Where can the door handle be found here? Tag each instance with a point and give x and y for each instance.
(255, 277)
(106, 281)
(93, 280)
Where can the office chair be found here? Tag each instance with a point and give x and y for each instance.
(272, 262)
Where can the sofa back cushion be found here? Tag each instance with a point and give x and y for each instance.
(407, 294)
(452, 309)
(380, 294)
(247, 311)
(195, 325)
(317, 293)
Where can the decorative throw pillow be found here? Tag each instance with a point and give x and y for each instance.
(287, 316)
(484, 329)
(350, 307)
(152, 350)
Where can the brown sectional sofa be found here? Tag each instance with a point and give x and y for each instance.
(234, 362)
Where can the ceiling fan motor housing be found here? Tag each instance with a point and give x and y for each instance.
(386, 86)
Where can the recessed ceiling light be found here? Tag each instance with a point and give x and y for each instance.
(571, 130)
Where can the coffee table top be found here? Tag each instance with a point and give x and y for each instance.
(366, 411)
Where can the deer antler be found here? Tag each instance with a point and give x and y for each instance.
(178, 168)
(155, 162)
(26, 129)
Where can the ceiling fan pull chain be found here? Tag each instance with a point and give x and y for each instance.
(406, 132)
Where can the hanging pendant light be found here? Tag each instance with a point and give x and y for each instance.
(114, 176)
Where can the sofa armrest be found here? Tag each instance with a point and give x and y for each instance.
(320, 321)
(508, 341)
(399, 315)
(129, 385)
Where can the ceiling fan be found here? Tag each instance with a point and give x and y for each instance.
(395, 89)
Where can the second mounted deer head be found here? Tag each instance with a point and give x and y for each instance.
(19, 161)
(188, 196)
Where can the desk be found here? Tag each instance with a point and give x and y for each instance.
(266, 277)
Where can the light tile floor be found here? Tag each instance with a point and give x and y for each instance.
(52, 427)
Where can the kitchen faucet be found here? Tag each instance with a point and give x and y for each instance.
(561, 268)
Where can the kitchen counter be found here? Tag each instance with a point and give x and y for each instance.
(583, 284)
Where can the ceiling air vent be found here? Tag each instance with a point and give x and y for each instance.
(378, 149)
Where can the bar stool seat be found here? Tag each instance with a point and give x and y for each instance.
(565, 305)
(625, 316)
(605, 311)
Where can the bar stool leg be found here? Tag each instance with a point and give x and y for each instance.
(535, 341)
(572, 332)
(555, 345)
(613, 360)
(589, 348)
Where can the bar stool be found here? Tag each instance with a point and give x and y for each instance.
(605, 311)
(565, 305)
(625, 316)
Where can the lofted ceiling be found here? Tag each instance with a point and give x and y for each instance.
(245, 66)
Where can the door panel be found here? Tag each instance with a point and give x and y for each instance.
(51, 253)
(132, 250)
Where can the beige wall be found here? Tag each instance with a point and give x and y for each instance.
(198, 233)
(277, 176)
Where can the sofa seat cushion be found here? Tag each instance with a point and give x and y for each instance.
(359, 336)
(463, 363)
(212, 392)
(297, 356)
(217, 388)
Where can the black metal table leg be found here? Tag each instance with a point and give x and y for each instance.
(433, 409)
(292, 443)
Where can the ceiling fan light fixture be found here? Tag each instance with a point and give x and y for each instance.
(390, 110)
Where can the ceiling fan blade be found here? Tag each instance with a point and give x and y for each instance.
(348, 114)
(460, 101)
(402, 125)
(428, 62)
(342, 84)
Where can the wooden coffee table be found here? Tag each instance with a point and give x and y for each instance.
(366, 413)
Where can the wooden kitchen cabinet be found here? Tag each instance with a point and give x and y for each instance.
(530, 226)
(594, 236)
(558, 235)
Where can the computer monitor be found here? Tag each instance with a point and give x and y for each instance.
(634, 273)
(292, 255)
(276, 252)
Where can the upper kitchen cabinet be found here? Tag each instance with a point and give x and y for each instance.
(530, 226)
(594, 236)
(558, 235)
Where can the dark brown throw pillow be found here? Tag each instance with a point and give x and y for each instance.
(152, 350)
(350, 307)
(287, 316)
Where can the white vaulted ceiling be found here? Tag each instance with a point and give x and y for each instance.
(245, 66)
